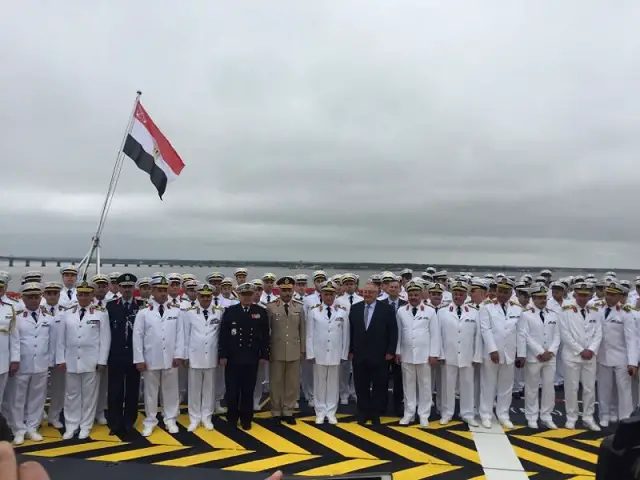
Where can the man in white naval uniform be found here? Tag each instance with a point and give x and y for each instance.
(202, 332)
(100, 299)
(306, 369)
(28, 387)
(499, 321)
(617, 358)
(9, 342)
(540, 338)
(82, 350)
(418, 349)
(327, 346)
(300, 287)
(435, 300)
(68, 292)
(555, 300)
(461, 350)
(581, 333)
(347, 300)
(5, 278)
(113, 291)
(158, 349)
(262, 381)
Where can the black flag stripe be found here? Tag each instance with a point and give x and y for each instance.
(146, 163)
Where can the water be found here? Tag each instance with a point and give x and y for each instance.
(52, 273)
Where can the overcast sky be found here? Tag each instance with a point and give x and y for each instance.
(486, 132)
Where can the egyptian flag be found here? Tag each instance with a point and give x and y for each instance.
(151, 151)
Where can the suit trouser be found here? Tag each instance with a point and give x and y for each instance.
(398, 388)
(464, 377)
(536, 374)
(496, 384)
(27, 396)
(167, 380)
(4, 377)
(307, 376)
(610, 379)
(416, 379)
(219, 381)
(81, 400)
(262, 384)
(103, 395)
(325, 389)
(124, 385)
(56, 393)
(240, 381)
(346, 383)
(202, 387)
(284, 383)
(576, 373)
(371, 380)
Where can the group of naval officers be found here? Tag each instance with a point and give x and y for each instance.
(92, 348)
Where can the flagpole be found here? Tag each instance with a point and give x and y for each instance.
(115, 176)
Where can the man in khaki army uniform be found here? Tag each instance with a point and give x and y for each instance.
(288, 334)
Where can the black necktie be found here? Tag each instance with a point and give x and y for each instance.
(161, 310)
(99, 303)
(351, 299)
(35, 317)
(286, 309)
(52, 311)
(584, 314)
(504, 308)
(542, 316)
(215, 299)
(414, 310)
(82, 312)
(205, 312)
(268, 298)
(459, 311)
(393, 304)
(69, 294)
(328, 312)
(246, 309)
(607, 311)
(175, 301)
(193, 302)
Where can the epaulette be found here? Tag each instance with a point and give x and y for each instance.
(74, 309)
(18, 312)
(62, 309)
(528, 309)
(569, 307)
(515, 304)
(591, 308)
(486, 301)
(295, 300)
(276, 301)
(218, 307)
(627, 308)
(314, 306)
(471, 305)
(337, 305)
(100, 309)
(44, 311)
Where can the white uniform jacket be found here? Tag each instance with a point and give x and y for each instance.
(461, 337)
(37, 349)
(67, 301)
(619, 337)
(536, 336)
(201, 335)
(328, 338)
(9, 337)
(347, 300)
(578, 334)
(56, 311)
(158, 340)
(83, 344)
(419, 335)
(500, 330)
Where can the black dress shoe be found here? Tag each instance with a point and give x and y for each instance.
(361, 419)
(277, 419)
(291, 420)
(375, 420)
(246, 425)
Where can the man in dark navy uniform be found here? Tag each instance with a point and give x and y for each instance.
(124, 378)
(243, 344)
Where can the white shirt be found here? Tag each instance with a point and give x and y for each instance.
(461, 337)
(267, 298)
(37, 351)
(619, 338)
(83, 344)
(202, 335)
(65, 301)
(9, 337)
(500, 330)
(578, 333)
(349, 299)
(111, 296)
(418, 335)
(536, 336)
(328, 338)
(158, 340)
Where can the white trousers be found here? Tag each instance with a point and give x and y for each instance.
(201, 394)
(346, 383)
(610, 380)
(538, 374)
(167, 380)
(436, 385)
(103, 387)
(575, 374)
(325, 389)
(3, 383)
(416, 385)
(496, 384)
(306, 379)
(559, 377)
(262, 384)
(518, 380)
(80, 401)
(465, 377)
(27, 396)
(56, 393)
(219, 383)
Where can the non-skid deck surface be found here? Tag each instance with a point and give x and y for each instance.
(307, 449)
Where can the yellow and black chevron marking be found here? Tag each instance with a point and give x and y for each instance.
(307, 449)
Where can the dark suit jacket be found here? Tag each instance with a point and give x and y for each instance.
(244, 337)
(379, 339)
(121, 321)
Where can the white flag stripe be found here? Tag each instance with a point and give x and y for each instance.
(144, 138)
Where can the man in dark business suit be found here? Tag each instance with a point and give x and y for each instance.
(393, 292)
(373, 342)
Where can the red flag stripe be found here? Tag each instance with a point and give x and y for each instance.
(168, 153)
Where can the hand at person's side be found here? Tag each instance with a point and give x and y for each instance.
(9, 469)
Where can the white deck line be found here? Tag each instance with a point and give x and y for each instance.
(497, 456)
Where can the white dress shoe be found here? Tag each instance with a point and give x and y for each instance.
(591, 425)
(533, 424)
(55, 423)
(147, 431)
(208, 425)
(406, 420)
(101, 419)
(445, 420)
(319, 420)
(333, 420)
(570, 425)
(486, 423)
(604, 423)
(84, 434)
(192, 427)
(18, 439)
(34, 436)
(470, 421)
(69, 434)
(549, 424)
(506, 423)
(172, 427)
